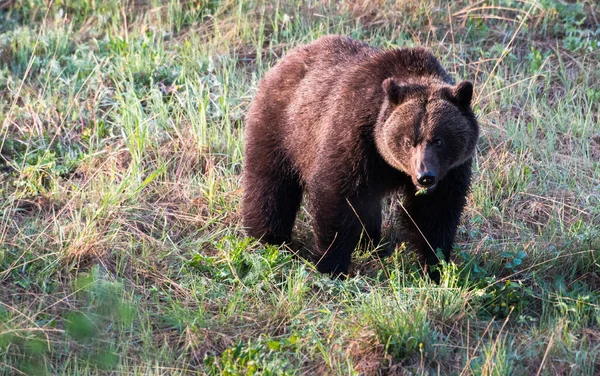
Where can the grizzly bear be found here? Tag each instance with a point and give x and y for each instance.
(348, 124)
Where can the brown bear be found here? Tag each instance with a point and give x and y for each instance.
(349, 123)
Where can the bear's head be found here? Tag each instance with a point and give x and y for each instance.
(426, 128)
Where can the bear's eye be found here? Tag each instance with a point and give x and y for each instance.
(407, 142)
(437, 142)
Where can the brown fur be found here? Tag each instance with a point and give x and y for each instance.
(349, 123)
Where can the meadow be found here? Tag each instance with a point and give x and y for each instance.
(121, 245)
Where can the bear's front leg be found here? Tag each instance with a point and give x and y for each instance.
(433, 218)
(338, 224)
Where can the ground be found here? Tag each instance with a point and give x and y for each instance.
(121, 247)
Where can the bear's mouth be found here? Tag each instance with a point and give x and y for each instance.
(423, 190)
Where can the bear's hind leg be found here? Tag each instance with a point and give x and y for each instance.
(271, 200)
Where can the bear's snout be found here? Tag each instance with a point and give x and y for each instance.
(426, 173)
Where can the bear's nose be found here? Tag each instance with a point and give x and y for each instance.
(426, 179)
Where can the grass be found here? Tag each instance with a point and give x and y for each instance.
(121, 248)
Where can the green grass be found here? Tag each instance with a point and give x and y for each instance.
(121, 246)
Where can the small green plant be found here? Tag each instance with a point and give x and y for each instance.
(586, 40)
(103, 314)
(513, 259)
(255, 358)
(421, 192)
(235, 263)
(26, 348)
(536, 58)
(496, 299)
(505, 298)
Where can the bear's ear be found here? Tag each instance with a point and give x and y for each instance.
(461, 94)
(395, 93)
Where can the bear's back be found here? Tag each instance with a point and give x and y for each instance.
(309, 72)
(288, 112)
